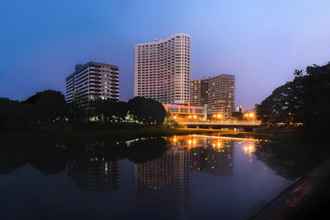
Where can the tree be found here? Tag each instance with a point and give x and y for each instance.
(306, 99)
(298, 73)
(285, 104)
(147, 111)
(13, 114)
(48, 106)
(317, 100)
(111, 110)
(74, 113)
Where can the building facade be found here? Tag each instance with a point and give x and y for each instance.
(221, 95)
(190, 112)
(196, 93)
(218, 93)
(92, 81)
(162, 69)
(199, 92)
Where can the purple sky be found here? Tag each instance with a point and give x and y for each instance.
(259, 41)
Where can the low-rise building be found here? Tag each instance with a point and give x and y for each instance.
(186, 112)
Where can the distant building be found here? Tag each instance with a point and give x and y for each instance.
(221, 94)
(218, 93)
(199, 92)
(162, 69)
(92, 81)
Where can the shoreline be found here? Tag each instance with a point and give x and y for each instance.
(107, 134)
(303, 195)
(124, 134)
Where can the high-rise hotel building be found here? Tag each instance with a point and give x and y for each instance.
(163, 68)
(92, 81)
(218, 93)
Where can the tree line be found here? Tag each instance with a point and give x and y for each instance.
(49, 108)
(305, 100)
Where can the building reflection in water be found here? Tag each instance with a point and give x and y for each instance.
(208, 155)
(211, 161)
(167, 177)
(249, 148)
(164, 182)
(95, 174)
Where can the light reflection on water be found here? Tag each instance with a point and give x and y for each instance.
(194, 177)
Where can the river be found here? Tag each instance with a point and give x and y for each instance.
(178, 177)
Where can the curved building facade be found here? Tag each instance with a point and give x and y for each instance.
(162, 69)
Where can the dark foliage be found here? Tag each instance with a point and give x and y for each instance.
(47, 107)
(111, 111)
(304, 100)
(317, 100)
(48, 110)
(14, 115)
(146, 110)
(285, 104)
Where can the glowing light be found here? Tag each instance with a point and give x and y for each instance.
(250, 115)
(174, 139)
(249, 149)
(217, 116)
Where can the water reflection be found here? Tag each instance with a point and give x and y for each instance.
(180, 177)
(209, 155)
(160, 162)
(212, 161)
(164, 182)
(249, 148)
(95, 174)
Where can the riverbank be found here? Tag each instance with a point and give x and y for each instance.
(69, 135)
(123, 134)
(278, 135)
(306, 198)
(127, 134)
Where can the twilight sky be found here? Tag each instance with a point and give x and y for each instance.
(260, 41)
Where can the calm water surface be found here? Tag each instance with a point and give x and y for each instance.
(186, 177)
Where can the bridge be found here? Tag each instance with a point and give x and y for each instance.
(244, 125)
